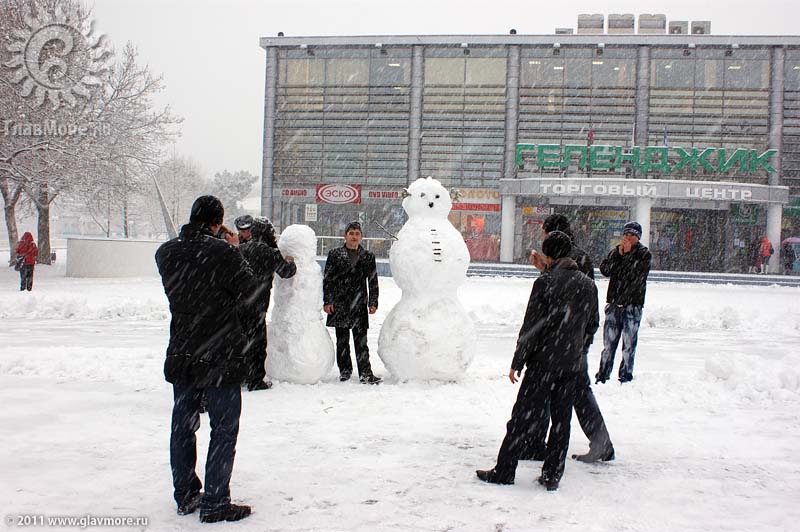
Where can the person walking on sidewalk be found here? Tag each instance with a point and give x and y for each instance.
(27, 252)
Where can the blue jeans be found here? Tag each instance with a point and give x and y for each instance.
(621, 322)
(224, 407)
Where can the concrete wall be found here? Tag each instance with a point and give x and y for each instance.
(87, 257)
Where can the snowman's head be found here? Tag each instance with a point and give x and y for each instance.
(298, 241)
(427, 198)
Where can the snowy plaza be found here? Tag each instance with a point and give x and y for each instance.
(706, 435)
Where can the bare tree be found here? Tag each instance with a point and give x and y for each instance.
(104, 141)
(231, 189)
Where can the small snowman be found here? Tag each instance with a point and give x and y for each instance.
(428, 335)
(300, 349)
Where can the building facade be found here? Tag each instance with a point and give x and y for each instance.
(695, 136)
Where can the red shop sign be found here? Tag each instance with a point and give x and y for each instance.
(338, 194)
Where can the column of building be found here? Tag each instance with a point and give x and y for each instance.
(775, 210)
(268, 154)
(509, 203)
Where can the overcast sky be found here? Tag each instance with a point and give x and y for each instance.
(213, 67)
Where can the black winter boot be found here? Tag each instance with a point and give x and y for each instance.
(231, 512)
(492, 477)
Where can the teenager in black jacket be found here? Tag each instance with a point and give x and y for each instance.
(560, 321)
(350, 295)
(262, 254)
(586, 408)
(627, 266)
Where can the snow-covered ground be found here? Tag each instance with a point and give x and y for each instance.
(707, 435)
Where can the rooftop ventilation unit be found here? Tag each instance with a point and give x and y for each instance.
(701, 27)
(620, 23)
(590, 23)
(652, 24)
(564, 31)
(678, 27)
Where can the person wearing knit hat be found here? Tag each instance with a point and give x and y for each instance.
(627, 266)
(586, 408)
(560, 321)
(205, 280)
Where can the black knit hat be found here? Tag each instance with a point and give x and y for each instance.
(556, 222)
(632, 228)
(557, 245)
(207, 210)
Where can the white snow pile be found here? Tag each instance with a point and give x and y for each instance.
(428, 335)
(43, 305)
(755, 377)
(299, 349)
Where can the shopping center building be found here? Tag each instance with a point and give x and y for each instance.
(694, 135)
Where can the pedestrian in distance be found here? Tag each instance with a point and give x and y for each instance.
(206, 280)
(560, 321)
(627, 266)
(27, 252)
(350, 295)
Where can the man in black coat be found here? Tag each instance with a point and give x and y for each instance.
(586, 408)
(261, 253)
(628, 266)
(560, 321)
(350, 294)
(205, 279)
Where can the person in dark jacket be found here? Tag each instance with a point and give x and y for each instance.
(560, 321)
(350, 294)
(627, 266)
(586, 408)
(559, 222)
(205, 280)
(26, 248)
(789, 256)
(243, 225)
(261, 253)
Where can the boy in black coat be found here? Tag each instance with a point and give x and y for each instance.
(348, 302)
(560, 320)
(586, 408)
(262, 254)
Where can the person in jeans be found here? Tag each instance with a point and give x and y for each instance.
(205, 279)
(627, 266)
(560, 321)
(26, 248)
(586, 408)
(350, 294)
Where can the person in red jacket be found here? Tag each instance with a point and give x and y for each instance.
(766, 252)
(26, 248)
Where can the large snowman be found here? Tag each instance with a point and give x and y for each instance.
(428, 334)
(300, 349)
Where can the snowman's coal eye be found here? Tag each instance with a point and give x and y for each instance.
(437, 196)
(421, 194)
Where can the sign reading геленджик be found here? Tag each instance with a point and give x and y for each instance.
(662, 159)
